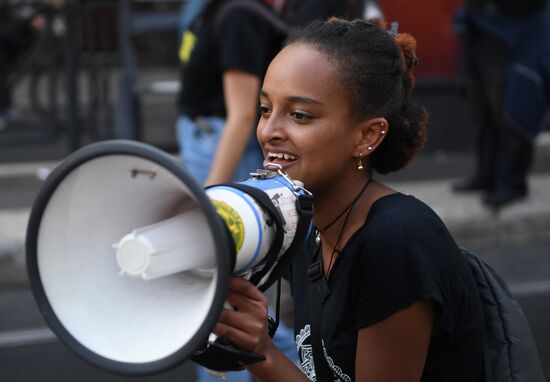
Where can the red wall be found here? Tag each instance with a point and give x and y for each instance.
(430, 22)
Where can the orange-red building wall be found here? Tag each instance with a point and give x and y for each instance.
(430, 22)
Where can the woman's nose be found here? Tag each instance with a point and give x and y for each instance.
(270, 129)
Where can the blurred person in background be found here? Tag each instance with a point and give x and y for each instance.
(18, 26)
(507, 68)
(224, 63)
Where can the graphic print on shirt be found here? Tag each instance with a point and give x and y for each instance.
(305, 353)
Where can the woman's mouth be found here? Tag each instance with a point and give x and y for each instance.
(283, 159)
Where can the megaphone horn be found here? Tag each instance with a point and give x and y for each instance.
(129, 258)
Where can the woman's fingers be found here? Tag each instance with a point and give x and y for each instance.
(241, 339)
(252, 323)
(246, 298)
(246, 326)
(246, 304)
(250, 305)
(246, 288)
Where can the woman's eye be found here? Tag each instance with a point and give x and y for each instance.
(298, 116)
(264, 110)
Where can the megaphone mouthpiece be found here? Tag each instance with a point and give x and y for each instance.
(173, 245)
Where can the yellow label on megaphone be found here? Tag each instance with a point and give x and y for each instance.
(233, 221)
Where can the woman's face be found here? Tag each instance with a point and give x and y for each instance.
(305, 122)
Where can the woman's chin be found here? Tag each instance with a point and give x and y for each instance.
(294, 172)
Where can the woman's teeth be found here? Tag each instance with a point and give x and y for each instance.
(282, 156)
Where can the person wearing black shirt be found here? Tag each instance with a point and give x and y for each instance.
(400, 301)
(220, 83)
(18, 26)
(506, 48)
(402, 254)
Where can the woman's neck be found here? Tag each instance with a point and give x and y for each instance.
(329, 205)
(333, 201)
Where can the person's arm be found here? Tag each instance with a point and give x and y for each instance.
(246, 328)
(241, 99)
(395, 349)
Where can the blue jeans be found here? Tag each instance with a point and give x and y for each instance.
(198, 141)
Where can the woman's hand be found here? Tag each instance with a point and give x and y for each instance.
(246, 326)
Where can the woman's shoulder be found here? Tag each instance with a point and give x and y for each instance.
(400, 225)
(399, 201)
(401, 210)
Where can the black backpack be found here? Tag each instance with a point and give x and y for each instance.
(510, 351)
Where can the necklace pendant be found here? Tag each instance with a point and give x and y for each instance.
(317, 237)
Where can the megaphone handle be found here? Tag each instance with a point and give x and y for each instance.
(245, 357)
(273, 324)
(222, 355)
(233, 358)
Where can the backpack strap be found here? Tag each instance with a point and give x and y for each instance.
(257, 8)
(319, 292)
(190, 11)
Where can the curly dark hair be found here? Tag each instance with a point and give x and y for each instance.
(376, 70)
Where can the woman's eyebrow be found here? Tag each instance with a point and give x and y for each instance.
(295, 99)
(307, 100)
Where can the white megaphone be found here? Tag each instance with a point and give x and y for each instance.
(129, 258)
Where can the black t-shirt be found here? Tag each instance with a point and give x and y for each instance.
(241, 40)
(302, 12)
(506, 7)
(403, 253)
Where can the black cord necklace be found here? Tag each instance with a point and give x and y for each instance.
(348, 209)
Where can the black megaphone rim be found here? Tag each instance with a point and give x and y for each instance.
(126, 147)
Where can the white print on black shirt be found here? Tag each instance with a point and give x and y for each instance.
(306, 358)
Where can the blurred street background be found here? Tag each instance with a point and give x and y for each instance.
(109, 69)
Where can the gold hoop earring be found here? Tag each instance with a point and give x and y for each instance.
(360, 162)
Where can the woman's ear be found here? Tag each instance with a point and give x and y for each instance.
(371, 133)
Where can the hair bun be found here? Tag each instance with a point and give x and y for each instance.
(407, 44)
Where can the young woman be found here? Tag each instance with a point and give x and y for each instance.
(402, 303)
